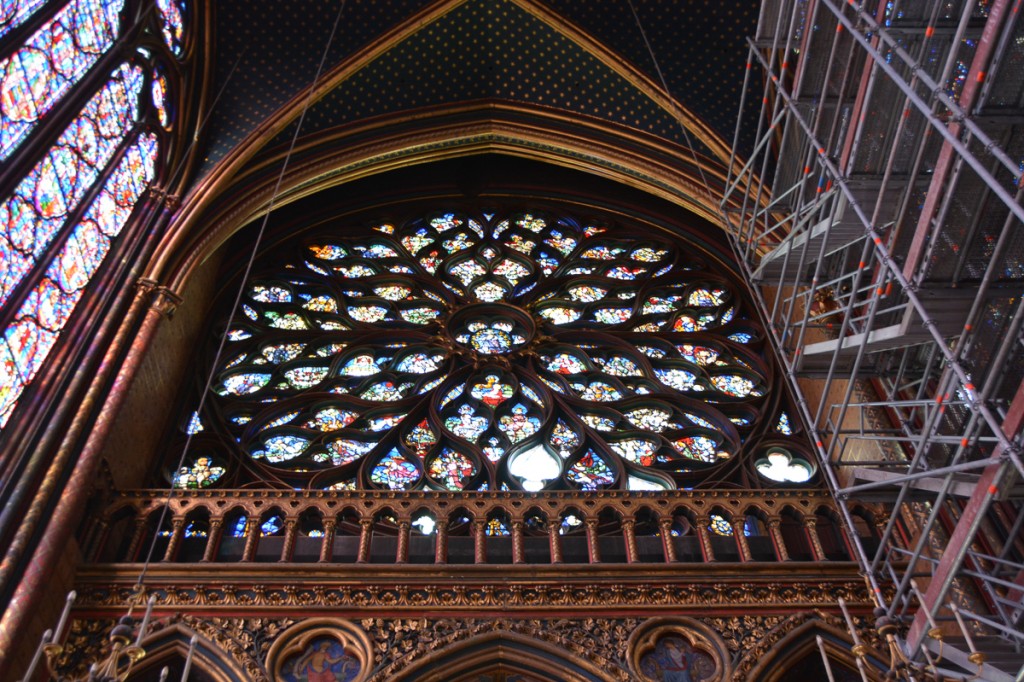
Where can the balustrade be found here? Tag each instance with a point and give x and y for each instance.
(376, 528)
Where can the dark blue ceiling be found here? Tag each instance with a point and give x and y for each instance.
(480, 50)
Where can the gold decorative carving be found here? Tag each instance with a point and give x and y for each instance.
(483, 595)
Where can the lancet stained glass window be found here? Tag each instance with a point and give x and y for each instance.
(37, 324)
(51, 61)
(51, 245)
(14, 12)
(516, 352)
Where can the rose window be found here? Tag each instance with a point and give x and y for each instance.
(487, 352)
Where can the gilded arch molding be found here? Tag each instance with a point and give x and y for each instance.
(217, 208)
(442, 661)
(792, 640)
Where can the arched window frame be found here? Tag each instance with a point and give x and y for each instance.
(202, 445)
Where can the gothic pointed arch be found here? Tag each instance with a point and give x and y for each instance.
(501, 652)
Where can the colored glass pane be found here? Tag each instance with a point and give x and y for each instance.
(492, 391)
(529, 397)
(491, 341)
(34, 214)
(637, 450)
(565, 363)
(331, 419)
(272, 526)
(385, 391)
(419, 363)
(496, 527)
(329, 251)
(735, 385)
(173, 24)
(649, 418)
(457, 243)
(591, 472)
(700, 448)
(395, 472)
(707, 298)
(283, 419)
(613, 315)
(346, 451)
(587, 293)
(518, 424)
(282, 448)
(304, 377)
(598, 391)
(14, 12)
(158, 90)
(564, 438)
(648, 255)
(202, 473)
(618, 366)
(511, 270)
(39, 321)
(36, 76)
(783, 426)
(720, 526)
(451, 469)
(467, 271)
(466, 424)
(239, 528)
(561, 315)
(679, 379)
(360, 366)
(421, 438)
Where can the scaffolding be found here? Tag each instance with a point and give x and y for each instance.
(881, 227)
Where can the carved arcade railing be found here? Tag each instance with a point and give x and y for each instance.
(473, 528)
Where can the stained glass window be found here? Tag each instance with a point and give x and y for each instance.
(35, 79)
(35, 213)
(173, 24)
(50, 62)
(517, 373)
(37, 324)
(13, 12)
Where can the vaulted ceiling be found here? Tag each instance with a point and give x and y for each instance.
(585, 58)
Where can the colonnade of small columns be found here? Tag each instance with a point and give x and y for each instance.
(601, 516)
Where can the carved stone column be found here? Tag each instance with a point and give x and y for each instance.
(213, 539)
(629, 536)
(555, 541)
(738, 528)
(365, 535)
(402, 552)
(327, 544)
(99, 539)
(811, 527)
(177, 530)
(705, 538)
(518, 550)
(593, 550)
(136, 542)
(480, 542)
(665, 525)
(291, 528)
(441, 543)
(775, 531)
(252, 538)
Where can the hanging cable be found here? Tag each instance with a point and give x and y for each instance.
(241, 289)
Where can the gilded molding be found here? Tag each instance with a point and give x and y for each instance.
(470, 596)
